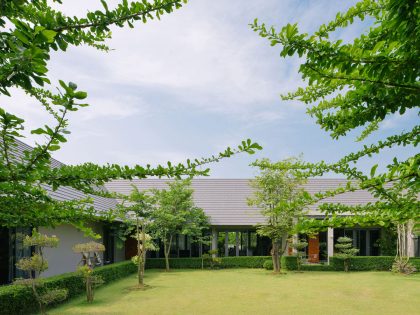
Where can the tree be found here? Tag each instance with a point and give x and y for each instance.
(176, 214)
(345, 251)
(35, 265)
(300, 247)
(279, 195)
(359, 84)
(90, 259)
(143, 246)
(203, 240)
(136, 210)
(36, 28)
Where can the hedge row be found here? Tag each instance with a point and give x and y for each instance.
(195, 263)
(369, 263)
(358, 263)
(16, 299)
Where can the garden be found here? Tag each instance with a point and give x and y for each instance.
(353, 89)
(255, 291)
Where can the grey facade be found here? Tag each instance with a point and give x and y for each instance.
(61, 259)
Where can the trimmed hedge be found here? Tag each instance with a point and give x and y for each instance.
(369, 263)
(16, 299)
(290, 263)
(195, 262)
(358, 263)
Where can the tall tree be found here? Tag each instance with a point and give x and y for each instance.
(136, 211)
(359, 84)
(176, 214)
(30, 30)
(281, 198)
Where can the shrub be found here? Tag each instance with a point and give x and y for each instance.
(20, 300)
(403, 266)
(369, 263)
(268, 264)
(291, 263)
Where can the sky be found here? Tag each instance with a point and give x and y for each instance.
(194, 83)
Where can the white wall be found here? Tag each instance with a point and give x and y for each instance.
(62, 259)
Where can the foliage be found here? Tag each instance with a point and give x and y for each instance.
(291, 263)
(345, 250)
(279, 195)
(403, 266)
(268, 264)
(88, 247)
(300, 247)
(19, 300)
(368, 263)
(195, 262)
(359, 84)
(35, 265)
(135, 212)
(387, 242)
(176, 214)
(210, 259)
(31, 30)
(90, 251)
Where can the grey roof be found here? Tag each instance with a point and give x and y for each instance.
(225, 200)
(64, 193)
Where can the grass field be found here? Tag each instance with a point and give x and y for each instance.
(256, 291)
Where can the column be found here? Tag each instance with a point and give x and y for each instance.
(214, 234)
(330, 243)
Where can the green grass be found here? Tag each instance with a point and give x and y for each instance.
(256, 291)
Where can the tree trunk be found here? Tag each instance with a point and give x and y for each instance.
(139, 275)
(143, 256)
(346, 265)
(275, 254)
(167, 249)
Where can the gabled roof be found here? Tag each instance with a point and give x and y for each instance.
(64, 193)
(225, 200)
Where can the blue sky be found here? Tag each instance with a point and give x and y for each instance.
(193, 83)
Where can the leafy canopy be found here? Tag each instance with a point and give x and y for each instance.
(30, 30)
(356, 85)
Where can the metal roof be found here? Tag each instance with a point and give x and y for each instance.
(64, 193)
(225, 200)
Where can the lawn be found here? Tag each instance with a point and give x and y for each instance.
(256, 291)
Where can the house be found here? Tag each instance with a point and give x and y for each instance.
(233, 221)
(61, 259)
(223, 200)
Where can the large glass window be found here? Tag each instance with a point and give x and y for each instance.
(243, 243)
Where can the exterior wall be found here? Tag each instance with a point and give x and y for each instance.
(62, 259)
